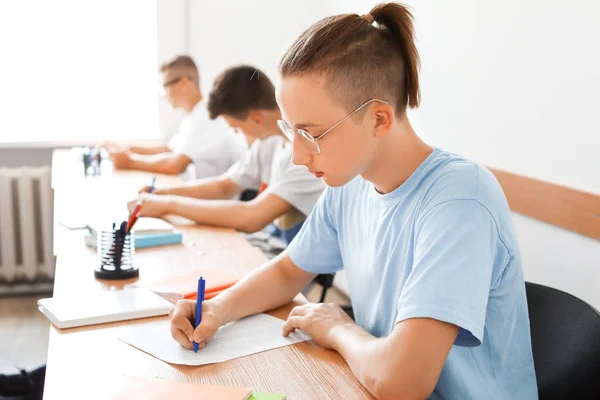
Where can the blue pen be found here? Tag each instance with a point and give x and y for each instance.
(199, 301)
(152, 185)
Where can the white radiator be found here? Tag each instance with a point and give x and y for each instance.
(26, 230)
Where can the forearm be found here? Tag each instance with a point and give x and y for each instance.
(157, 163)
(360, 350)
(246, 297)
(388, 368)
(149, 149)
(209, 189)
(225, 213)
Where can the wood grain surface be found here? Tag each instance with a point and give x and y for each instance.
(81, 361)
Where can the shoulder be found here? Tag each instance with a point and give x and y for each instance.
(264, 150)
(454, 177)
(268, 145)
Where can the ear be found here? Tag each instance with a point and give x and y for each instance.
(256, 116)
(383, 118)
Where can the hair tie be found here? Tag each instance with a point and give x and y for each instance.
(368, 17)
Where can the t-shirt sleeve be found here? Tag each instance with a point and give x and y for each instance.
(187, 139)
(202, 142)
(175, 142)
(246, 172)
(456, 244)
(316, 247)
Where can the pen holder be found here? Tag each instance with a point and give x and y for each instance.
(116, 251)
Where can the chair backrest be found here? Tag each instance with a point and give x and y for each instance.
(326, 281)
(565, 338)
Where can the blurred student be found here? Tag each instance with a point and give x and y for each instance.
(244, 97)
(201, 147)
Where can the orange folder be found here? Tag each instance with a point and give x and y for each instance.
(207, 295)
(186, 285)
(154, 389)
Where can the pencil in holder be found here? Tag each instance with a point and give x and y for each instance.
(116, 250)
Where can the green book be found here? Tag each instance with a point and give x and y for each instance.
(266, 396)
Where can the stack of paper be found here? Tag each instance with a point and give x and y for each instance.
(103, 307)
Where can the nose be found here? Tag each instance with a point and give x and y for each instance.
(301, 155)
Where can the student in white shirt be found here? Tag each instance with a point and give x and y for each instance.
(245, 98)
(202, 147)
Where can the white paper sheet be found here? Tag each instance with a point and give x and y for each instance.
(240, 338)
(103, 307)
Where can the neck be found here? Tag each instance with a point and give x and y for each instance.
(271, 118)
(399, 154)
(191, 102)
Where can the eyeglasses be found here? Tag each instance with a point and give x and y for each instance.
(312, 142)
(171, 83)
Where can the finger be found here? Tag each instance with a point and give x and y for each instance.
(201, 340)
(203, 332)
(202, 345)
(181, 337)
(292, 324)
(144, 196)
(185, 309)
(149, 209)
(182, 317)
(298, 310)
(184, 325)
(205, 342)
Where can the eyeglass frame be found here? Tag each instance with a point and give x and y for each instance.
(172, 82)
(315, 139)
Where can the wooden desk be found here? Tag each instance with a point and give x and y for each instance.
(81, 361)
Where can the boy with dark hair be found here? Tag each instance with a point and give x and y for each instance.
(245, 98)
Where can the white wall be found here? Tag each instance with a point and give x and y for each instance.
(225, 33)
(173, 40)
(515, 85)
(76, 71)
(221, 34)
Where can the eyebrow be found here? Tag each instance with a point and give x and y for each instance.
(305, 125)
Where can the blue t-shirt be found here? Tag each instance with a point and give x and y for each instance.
(442, 246)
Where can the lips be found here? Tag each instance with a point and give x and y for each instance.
(318, 174)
